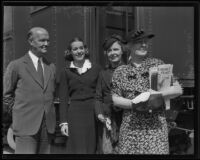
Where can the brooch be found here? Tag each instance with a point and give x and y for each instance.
(130, 77)
(145, 74)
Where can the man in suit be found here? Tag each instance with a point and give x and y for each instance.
(30, 83)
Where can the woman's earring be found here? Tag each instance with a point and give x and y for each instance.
(67, 53)
(86, 51)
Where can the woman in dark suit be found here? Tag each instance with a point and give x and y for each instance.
(104, 109)
(77, 90)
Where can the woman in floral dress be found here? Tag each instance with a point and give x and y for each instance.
(140, 133)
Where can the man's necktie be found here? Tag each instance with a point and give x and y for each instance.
(40, 71)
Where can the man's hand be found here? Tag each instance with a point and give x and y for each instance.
(64, 129)
(101, 118)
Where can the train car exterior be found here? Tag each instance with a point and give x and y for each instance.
(174, 41)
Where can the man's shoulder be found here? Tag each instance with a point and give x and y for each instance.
(14, 65)
(52, 67)
(17, 61)
(52, 64)
(48, 63)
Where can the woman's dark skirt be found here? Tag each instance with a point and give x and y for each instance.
(81, 121)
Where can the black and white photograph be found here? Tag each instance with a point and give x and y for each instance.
(100, 79)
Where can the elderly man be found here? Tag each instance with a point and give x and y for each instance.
(29, 82)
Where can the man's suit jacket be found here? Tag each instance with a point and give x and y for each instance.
(31, 100)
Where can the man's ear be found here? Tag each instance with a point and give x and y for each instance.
(30, 41)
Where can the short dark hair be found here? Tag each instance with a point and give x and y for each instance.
(68, 56)
(112, 39)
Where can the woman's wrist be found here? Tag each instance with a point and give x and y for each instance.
(133, 105)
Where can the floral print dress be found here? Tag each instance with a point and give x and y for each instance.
(139, 133)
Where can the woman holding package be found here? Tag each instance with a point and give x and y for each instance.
(144, 128)
(109, 116)
(76, 92)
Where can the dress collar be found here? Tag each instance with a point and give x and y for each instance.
(141, 64)
(86, 66)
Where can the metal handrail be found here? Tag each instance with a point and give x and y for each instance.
(173, 125)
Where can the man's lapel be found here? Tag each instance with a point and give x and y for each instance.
(47, 73)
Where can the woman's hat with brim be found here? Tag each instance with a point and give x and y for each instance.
(138, 36)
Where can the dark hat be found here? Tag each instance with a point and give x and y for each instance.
(110, 40)
(138, 36)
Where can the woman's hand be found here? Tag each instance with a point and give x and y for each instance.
(105, 120)
(143, 97)
(170, 92)
(64, 129)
